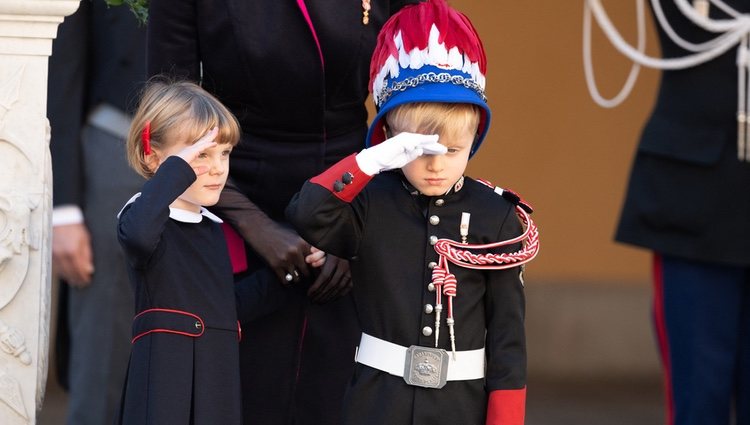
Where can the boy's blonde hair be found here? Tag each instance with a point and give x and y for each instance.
(177, 111)
(445, 119)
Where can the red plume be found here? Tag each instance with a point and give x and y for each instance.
(415, 21)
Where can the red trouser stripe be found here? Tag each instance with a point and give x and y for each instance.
(660, 324)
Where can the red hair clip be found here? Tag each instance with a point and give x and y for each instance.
(146, 138)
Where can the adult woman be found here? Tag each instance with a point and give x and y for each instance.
(295, 74)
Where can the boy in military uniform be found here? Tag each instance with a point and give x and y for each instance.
(435, 256)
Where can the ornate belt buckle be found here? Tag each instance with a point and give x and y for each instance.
(426, 367)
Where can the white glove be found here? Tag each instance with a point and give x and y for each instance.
(398, 151)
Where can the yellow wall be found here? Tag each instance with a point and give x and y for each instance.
(551, 143)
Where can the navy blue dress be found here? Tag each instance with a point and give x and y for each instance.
(185, 356)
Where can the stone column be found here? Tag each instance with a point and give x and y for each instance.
(27, 28)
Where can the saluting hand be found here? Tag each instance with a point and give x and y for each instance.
(398, 151)
(190, 152)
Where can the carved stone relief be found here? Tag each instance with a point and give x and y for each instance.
(10, 394)
(17, 235)
(25, 203)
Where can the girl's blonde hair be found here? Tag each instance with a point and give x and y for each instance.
(446, 119)
(176, 111)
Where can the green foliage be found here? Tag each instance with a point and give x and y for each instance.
(138, 7)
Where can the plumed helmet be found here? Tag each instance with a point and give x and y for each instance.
(428, 52)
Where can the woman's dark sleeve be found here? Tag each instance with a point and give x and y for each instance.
(66, 105)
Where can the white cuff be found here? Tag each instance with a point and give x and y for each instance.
(66, 214)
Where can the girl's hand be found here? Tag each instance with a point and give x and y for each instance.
(316, 258)
(189, 153)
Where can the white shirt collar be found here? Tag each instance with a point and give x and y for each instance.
(186, 216)
(181, 215)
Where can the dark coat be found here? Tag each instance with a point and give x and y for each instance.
(90, 65)
(181, 371)
(385, 231)
(299, 114)
(686, 194)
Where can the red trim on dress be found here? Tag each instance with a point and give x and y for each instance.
(660, 323)
(506, 407)
(333, 177)
(236, 247)
(303, 8)
(170, 331)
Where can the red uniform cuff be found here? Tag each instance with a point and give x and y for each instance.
(506, 407)
(344, 179)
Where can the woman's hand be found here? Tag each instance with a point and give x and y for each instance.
(334, 281)
(281, 247)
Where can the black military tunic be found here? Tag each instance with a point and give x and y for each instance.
(387, 231)
(184, 365)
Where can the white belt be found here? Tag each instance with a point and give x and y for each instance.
(107, 118)
(391, 358)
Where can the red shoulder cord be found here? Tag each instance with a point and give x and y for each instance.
(459, 254)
